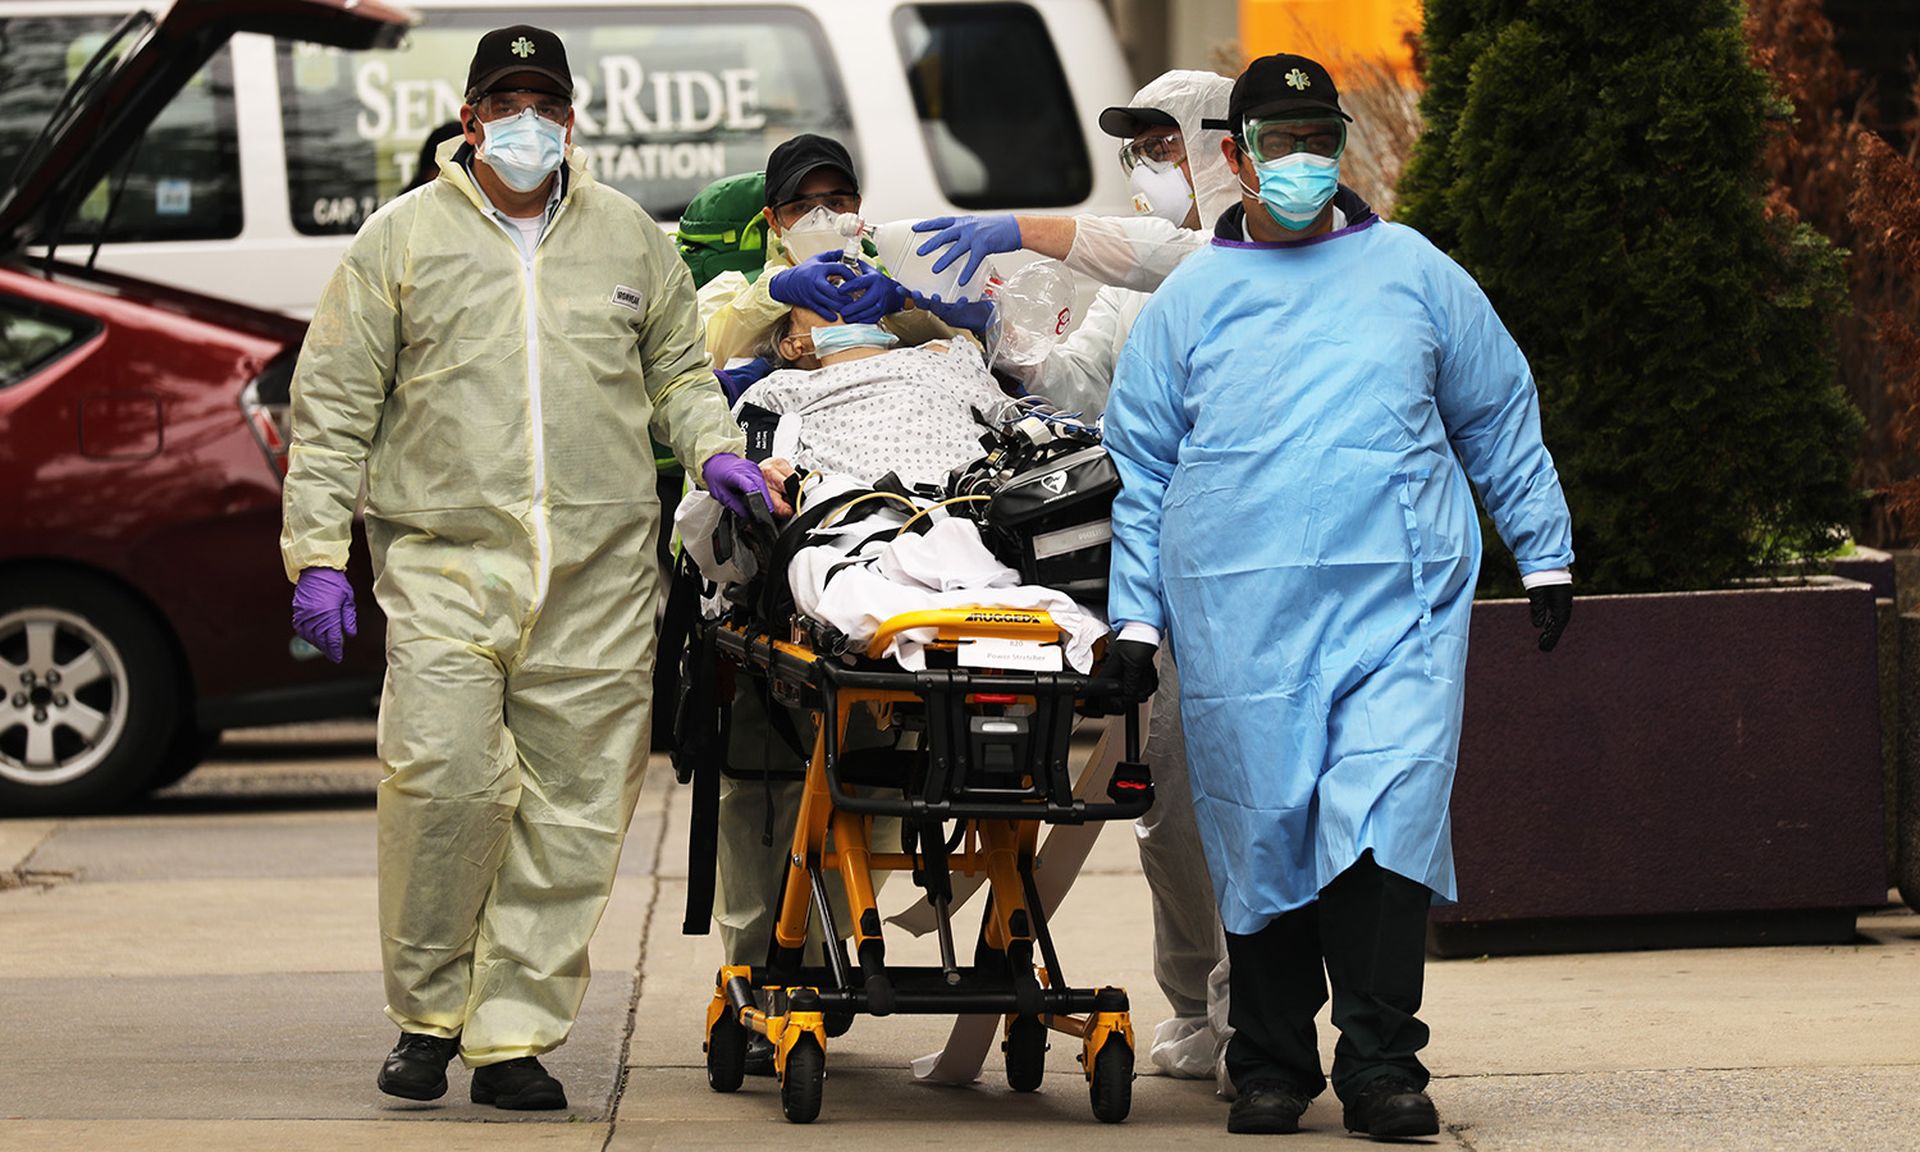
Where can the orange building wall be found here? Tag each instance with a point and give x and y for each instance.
(1332, 30)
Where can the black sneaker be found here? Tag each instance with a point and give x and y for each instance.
(1266, 1108)
(759, 1055)
(520, 1085)
(1392, 1109)
(416, 1069)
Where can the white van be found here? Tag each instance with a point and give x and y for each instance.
(252, 180)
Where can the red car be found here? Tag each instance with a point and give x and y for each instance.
(143, 608)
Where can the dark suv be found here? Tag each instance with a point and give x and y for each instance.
(143, 608)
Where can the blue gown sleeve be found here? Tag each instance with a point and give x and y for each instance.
(1144, 425)
(1487, 400)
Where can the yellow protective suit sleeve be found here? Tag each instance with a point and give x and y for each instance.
(339, 387)
(742, 324)
(690, 413)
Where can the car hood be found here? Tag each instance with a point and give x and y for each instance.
(90, 138)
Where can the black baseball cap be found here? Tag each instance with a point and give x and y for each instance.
(793, 160)
(521, 48)
(1126, 123)
(1280, 85)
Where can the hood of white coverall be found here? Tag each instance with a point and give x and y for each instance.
(1190, 97)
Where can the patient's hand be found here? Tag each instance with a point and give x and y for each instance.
(777, 472)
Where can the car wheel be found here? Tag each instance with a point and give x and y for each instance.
(91, 699)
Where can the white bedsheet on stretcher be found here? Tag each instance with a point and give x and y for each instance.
(948, 566)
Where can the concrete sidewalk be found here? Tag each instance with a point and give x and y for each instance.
(205, 977)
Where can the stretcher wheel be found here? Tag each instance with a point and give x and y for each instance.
(1111, 1087)
(805, 1080)
(1026, 1049)
(839, 1022)
(726, 1054)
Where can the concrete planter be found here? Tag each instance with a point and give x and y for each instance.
(1687, 769)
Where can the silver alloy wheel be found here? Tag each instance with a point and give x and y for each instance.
(65, 701)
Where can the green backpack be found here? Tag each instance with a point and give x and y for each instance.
(723, 229)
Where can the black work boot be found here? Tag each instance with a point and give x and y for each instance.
(759, 1055)
(1266, 1108)
(520, 1085)
(417, 1067)
(1392, 1109)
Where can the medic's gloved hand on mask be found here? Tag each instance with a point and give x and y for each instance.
(735, 381)
(323, 611)
(975, 237)
(879, 295)
(1551, 608)
(732, 480)
(818, 285)
(1131, 663)
(972, 315)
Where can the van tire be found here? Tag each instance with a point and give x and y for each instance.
(84, 626)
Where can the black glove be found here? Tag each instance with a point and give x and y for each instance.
(1131, 663)
(1552, 607)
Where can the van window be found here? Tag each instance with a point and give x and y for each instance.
(32, 335)
(666, 101)
(994, 106)
(181, 182)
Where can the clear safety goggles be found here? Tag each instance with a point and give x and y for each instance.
(1274, 138)
(505, 103)
(1158, 153)
(839, 202)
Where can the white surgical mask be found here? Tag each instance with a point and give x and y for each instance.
(821, 230)
(523, 150)
(1164, 194)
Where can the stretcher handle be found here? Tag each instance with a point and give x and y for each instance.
(967, 624)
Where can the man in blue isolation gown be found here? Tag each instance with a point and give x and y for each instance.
(1296, 417)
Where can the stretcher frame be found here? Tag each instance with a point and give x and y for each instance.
(998, 815)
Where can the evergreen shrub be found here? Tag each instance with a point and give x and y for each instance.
(1596, 164)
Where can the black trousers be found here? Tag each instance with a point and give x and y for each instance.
(1366, 933)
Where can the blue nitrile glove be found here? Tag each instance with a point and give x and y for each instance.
(975, 237)
(732, 479)
(818, 285)
(880, 295)
(735, 381)
(972, 315)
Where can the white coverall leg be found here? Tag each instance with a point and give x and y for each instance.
(1188, 946)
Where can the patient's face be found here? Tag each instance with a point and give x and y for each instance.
(797, 344)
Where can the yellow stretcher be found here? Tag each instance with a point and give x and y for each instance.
(989, 766)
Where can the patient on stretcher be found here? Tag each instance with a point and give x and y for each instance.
(848, 403)
(846, 410)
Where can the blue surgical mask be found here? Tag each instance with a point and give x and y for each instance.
(1297, 186)
(523, 150)
(840, 337)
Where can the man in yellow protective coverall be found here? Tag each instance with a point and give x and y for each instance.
(495, 349)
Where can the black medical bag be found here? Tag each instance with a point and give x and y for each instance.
(1053, 522)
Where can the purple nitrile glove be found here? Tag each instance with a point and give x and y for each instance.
(818, 285)
(735, 381)
(323, 611)
(731, 479)
(975, 237)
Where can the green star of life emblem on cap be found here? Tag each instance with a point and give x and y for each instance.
(522, 47)
(1298, 79)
